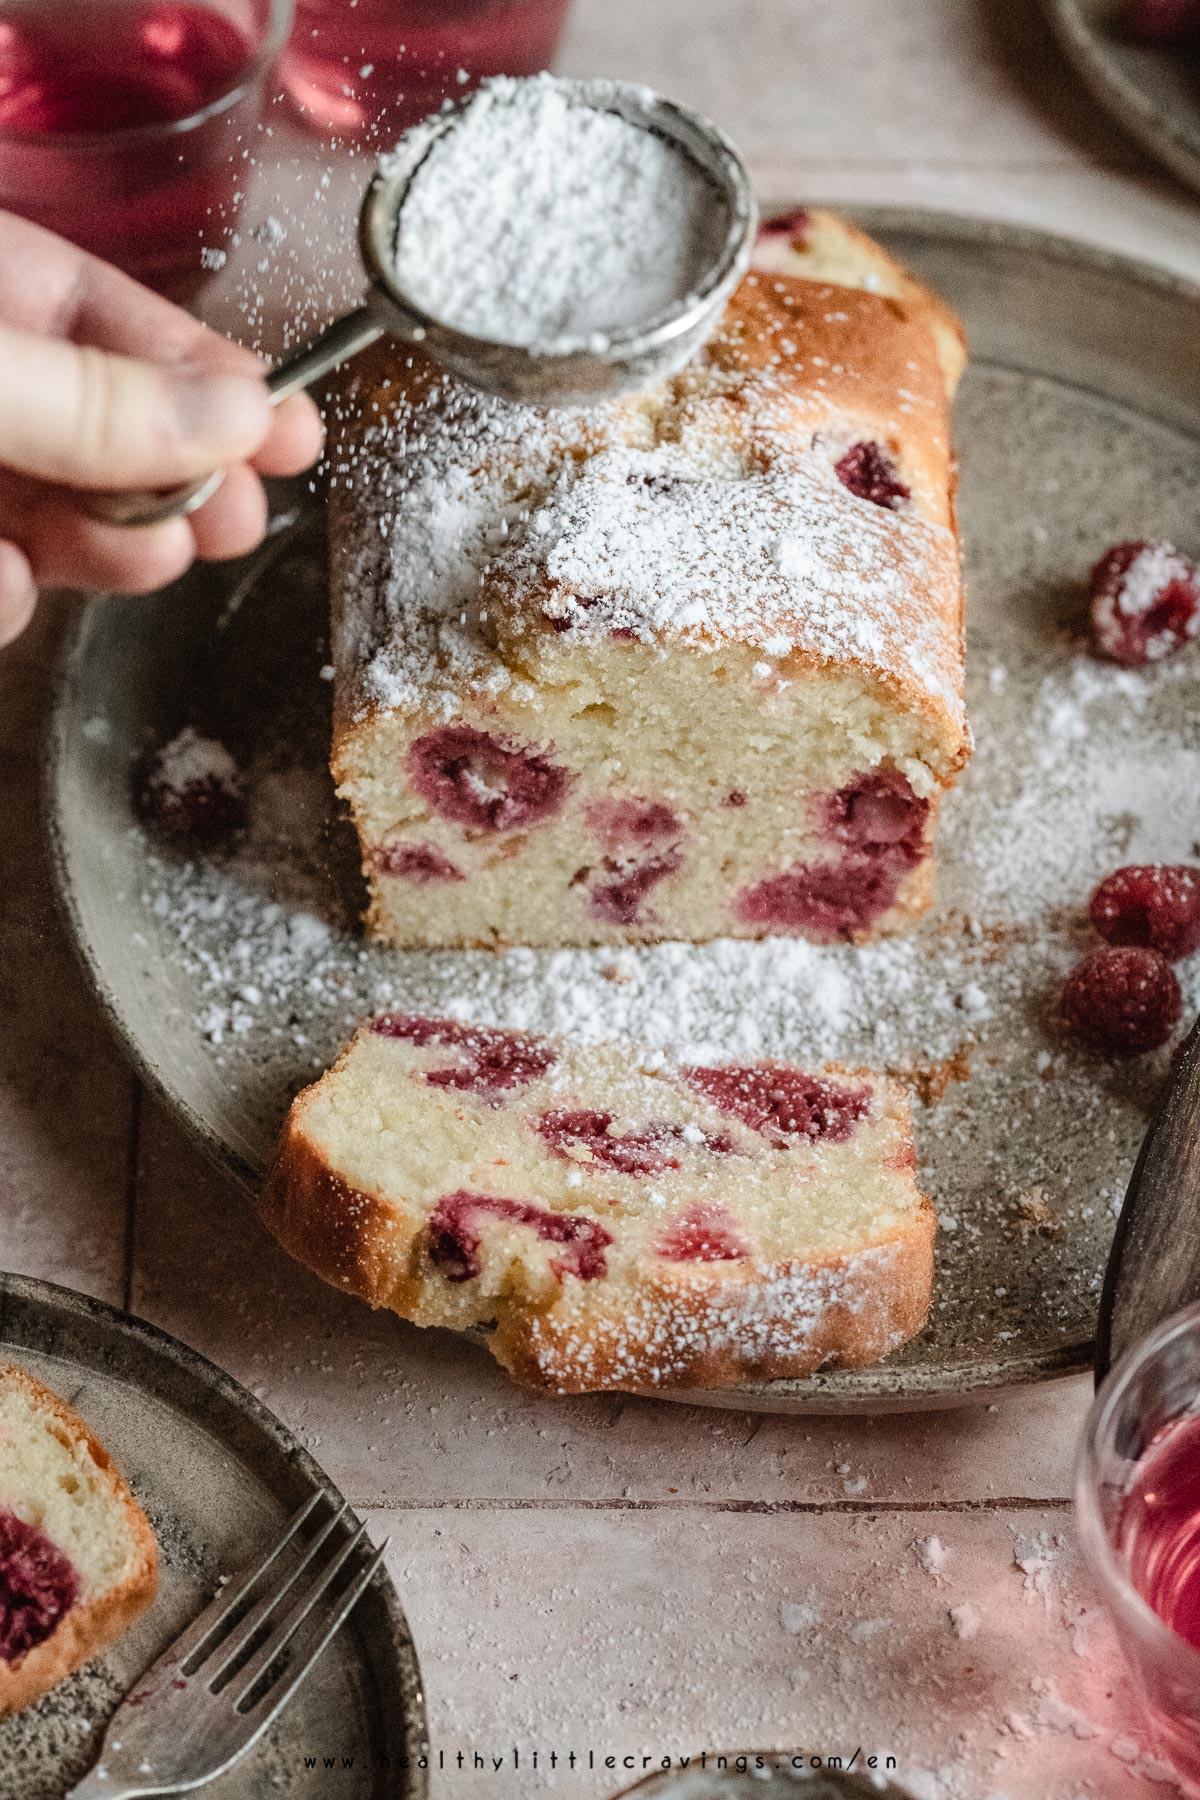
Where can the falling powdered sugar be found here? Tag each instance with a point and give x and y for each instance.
(541, 219)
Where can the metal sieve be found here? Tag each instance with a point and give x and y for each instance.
(629, 358)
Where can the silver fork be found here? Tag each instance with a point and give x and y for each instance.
(209, 1698)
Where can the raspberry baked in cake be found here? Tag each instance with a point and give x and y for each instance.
(687, 664)
(617, 1220)
(78, 1560)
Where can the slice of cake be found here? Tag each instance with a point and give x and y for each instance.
(687, 664)
(78, 1560)
(620, 1222)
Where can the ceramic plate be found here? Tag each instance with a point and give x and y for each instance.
(1154, 92)
(218, 1476)
(235, 977)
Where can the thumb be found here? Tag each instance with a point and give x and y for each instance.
(86, 419)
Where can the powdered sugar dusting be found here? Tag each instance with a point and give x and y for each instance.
(190, 758)
(539, 219)
(1148, 574)
(674, 547)
(703, 512)
(656, 1337)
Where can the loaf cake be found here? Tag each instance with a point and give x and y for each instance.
(78, 1560)
(616, 1220)
(686, 664)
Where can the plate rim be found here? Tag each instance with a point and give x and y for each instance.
(1167, 136)
(871, 1391)
(53, 1302)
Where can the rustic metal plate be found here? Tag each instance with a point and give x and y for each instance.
(1153, 91)
(218, 1476)
(234, 978)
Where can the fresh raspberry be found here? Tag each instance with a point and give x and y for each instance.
(490, 1059)
(781, 1102)
(794, 226)
(620, 896)
(454, 1236)
(824, 900)
(190, 790)
(483, 781)
(646, 1151)
(705, 1233)
(1145, 602)
(37, 1586)
(1154, 905)
(422, 864)
(868, 471)
(1162, 21)
(879, 812)
(1124, 1001)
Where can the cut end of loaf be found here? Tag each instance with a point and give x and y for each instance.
(610, 1219)
(617, 808)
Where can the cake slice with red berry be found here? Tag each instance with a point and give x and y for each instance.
(78, 1560)
(616, 1220)
(687, 664)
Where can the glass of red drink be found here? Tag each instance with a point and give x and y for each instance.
(1138, 1506)
(123, 122)
(371, 68)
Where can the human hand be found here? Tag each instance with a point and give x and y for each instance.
(103, 385)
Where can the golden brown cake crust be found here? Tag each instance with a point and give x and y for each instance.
(92, 1624)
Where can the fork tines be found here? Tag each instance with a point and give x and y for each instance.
(241, 1638)
(214, 1692)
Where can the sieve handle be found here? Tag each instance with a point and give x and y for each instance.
(353, 332)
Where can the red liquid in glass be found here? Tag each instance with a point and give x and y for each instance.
(1158, 1540)
(1160, 1528)
(71, 76)
(370, 68)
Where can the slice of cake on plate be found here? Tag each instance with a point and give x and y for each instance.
(687, 664)
(619, 1221)
(78, 1560)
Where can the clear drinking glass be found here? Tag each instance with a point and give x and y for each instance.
(1137, 1497)
(123, 122)
(371, 68)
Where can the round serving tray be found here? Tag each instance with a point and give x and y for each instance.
(234, 978)
(218, 1475)
(1153, 91)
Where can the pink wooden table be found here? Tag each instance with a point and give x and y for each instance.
(609, 1575)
